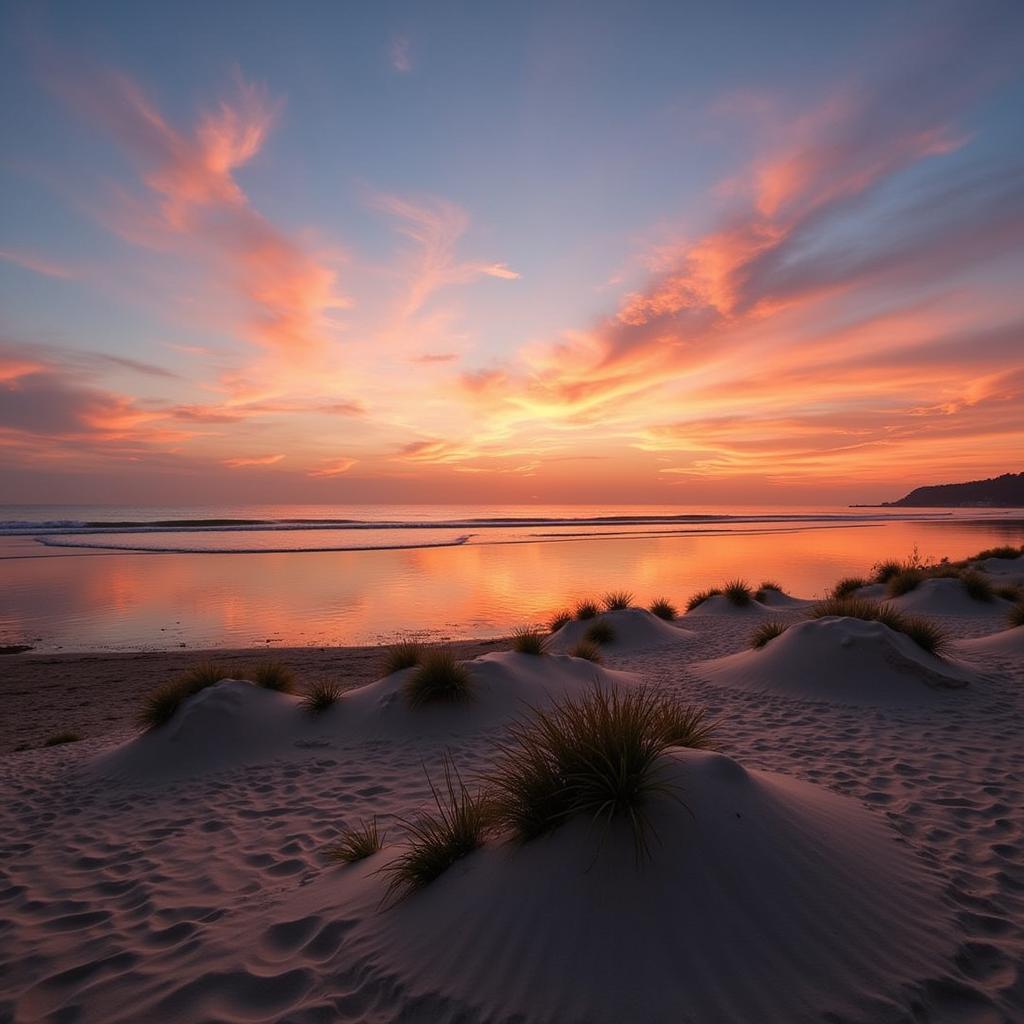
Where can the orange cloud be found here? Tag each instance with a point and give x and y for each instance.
(253, 460)
(334, 467)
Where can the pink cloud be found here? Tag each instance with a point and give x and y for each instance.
(38, 265)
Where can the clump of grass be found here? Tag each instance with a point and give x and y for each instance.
(847, 585)
(977, 586)
(701, 596)
(945, 571)
(882, 572)
(596, 757)
(765, 587)
(765, 632)
(1009, 592)
(685, 726)
(406, 654)
(600, 632)
(587, 650)
(738, 593)
(321, 696)
(904, 582)
(616, 600)
(558, 620)
(1016, 616)
(159, 707)
(587, 610)
(1003, 551)
(925, 634)
(60, 738)
(272, 675)
(664, 609)
(529, 641)
(357, 843)
(439, 679)
(437, 840)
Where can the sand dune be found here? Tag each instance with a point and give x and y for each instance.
(734, 918)
(876, 877)
(948, 597)
(1007, 642)
(842, 659)
(719, 604)
(235, 723)
(635, 629)
(779, 599)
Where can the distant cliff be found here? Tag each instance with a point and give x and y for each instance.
(1006, 491)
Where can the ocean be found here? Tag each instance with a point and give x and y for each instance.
(90, 578)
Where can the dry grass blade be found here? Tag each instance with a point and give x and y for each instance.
(596, 757)
(600, 632)
(587, 650)
(558, 620)
(767, 632)
(529, 641)
(159, 707)
(617, 600)
(587, 610)
(439, 679)
(321, 696)
(273, 675)
(407, 654)
(664, 609)
(357, 843)
(738, 593)
(701, 596)
(848, 585)
(437, 840)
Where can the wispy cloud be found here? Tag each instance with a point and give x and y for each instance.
(333, 467)
(400, 54)
(253, 460)
(38, 265)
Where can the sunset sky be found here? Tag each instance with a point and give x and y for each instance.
(679, 252)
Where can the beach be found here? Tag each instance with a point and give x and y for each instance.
(852, 848)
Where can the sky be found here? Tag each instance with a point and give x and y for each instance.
(672, 252)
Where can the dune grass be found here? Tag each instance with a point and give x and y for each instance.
(664, 609)
(978, 587)
(701, 596)
(767, 586)
(904, 582)
(439, 679)
(600, 632)
(738, 593)
(322, 695)
(882, 572)
(527, 640)
(1002, 551)
(587, 650)
(406, 654)
(273, 675)
(766, 632)
(558, 620)
(1009, 591)
(357, 843)
(437, 840)
(1016, 616)
(925, 634)
(60, 738)
(617, 600)
(160, 706)
(847, 585)
(586, 610)
(596, 757)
